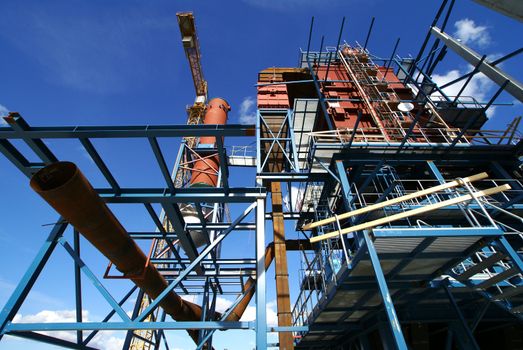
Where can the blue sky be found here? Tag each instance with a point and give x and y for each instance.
(121, 62)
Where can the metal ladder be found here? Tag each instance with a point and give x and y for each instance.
(496, 272)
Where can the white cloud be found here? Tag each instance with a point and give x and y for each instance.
(296, 197)
(470, 33)
(247, 112)
(223, 304)
(190, 297)
(479, 87)
(103, 340)
(3, 112)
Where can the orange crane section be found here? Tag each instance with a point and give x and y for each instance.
(192, 51)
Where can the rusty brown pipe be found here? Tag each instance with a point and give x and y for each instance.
(66, 189)
(291, 244)
(204, 171)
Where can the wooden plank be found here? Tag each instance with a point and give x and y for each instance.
(417, 211)
(418, 194)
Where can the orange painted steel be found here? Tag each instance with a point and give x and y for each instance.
(66, 189)
(205, 171)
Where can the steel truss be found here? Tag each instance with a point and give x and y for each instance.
(203, 266)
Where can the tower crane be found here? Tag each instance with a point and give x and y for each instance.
(144, 339)
(191, 47)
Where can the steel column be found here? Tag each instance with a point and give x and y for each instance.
(281, 271)
(31, 275)
(394, 323)
(261, 313)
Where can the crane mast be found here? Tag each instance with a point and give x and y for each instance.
(143, 339)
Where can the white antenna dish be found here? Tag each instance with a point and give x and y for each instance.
(405, 106)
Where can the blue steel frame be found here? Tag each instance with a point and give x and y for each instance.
(196, 266)
(355, 155)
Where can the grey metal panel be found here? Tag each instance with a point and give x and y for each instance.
(397, 245)
(422, 266)
(510, 8)
(452, 244)
(514, 87)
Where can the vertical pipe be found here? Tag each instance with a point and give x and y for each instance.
(427, 37)
(337, 48)
(319, 57)
(368, 33)
(78, 287)
(310, 36)
(391, 59)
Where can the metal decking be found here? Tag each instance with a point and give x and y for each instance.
(414, 262)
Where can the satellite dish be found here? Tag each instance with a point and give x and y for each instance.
(405, 106)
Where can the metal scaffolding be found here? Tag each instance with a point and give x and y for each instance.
(408, 212)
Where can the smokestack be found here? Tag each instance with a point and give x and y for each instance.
(203, 174)
(204, 170)
(66, 189)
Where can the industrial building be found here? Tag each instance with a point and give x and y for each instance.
(406, 213)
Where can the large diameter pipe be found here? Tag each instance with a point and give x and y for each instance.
(204, 170)
(66, 189)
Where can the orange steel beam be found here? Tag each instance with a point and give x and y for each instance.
(281, 271)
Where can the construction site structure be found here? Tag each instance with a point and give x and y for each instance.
(408, 212)
(143, 339)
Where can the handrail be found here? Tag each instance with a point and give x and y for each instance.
(422, 193)
(412, 212)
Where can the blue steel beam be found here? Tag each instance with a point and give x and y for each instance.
(152, 306)
(438, 232)
(173, 213)
(94, 280)
(110, 314)
(504, 245)
(261, 316)
(394, 323)
(163, 234)
(183, 195)
(155, 146)
(31, 275)
(470, 336)
(92, 132)
(223, 164)
(223, 318)
(89, 147)
(78, 286)
(17, 158)
(321, 98)
(51, 340)
(20, 127)
(119, 326)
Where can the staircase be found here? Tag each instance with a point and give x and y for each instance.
(496, 272)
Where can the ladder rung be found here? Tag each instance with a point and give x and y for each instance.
(509, 292)
(488, 262)
(498, 278)
(517, 309)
